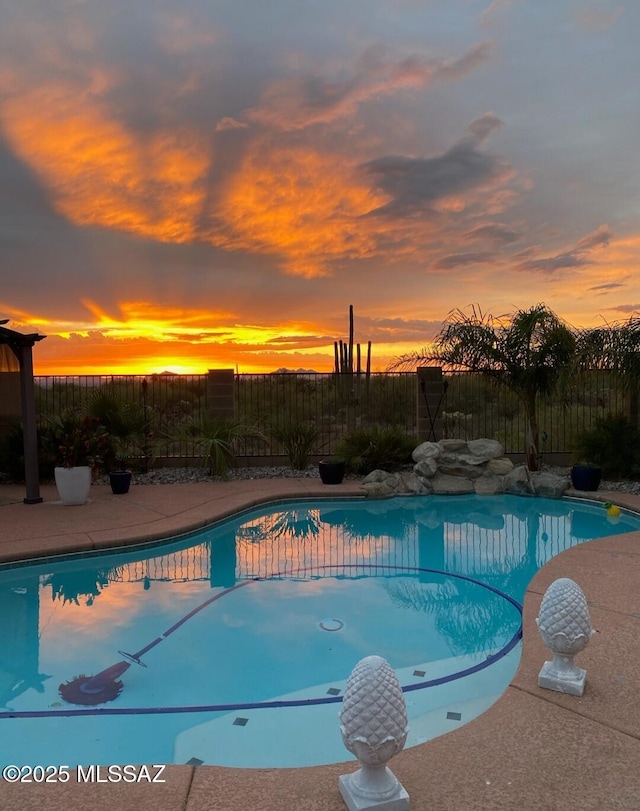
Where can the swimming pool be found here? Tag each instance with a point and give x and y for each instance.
(249, 630)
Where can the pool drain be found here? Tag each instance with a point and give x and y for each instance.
(329, 624)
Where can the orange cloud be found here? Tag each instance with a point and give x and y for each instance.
(301, 204)
(99, 173)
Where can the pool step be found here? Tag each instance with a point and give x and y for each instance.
(244, 738)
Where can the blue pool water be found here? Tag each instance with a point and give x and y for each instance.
(238, 640)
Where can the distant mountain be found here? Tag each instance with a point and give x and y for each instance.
(284, 369)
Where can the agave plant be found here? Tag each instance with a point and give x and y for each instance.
(215, 439)
(298, 440)
(366, 449)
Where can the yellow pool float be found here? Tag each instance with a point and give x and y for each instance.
(612, 509)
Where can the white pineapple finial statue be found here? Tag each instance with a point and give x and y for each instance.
(565, 628)
(373, 723)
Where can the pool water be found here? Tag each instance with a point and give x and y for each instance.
(238, 640)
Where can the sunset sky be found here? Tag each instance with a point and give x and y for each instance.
(192, 185)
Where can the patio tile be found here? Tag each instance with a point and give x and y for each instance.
(31, 547)
(534, 749)
(611, 662)
(168, 796)
(602, 569)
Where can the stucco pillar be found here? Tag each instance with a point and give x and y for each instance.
(221, 392)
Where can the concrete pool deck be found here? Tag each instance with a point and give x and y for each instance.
(533, 750)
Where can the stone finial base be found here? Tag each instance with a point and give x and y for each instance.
(572, 684)
(398, 801)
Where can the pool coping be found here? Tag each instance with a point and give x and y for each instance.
(533, 749)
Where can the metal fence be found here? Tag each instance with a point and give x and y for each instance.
(335, 404)
(476, 407)
(339, 404)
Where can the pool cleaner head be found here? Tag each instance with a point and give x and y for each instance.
(98, 689)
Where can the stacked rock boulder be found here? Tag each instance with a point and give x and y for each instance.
(453, 466)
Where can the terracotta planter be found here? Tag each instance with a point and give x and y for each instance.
(586, 477)
(120, 481)
(73, 484)
(331, 472)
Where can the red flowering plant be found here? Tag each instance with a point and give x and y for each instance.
(76, 440)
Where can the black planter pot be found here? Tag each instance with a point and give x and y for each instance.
(586, 477)
(331, 472)
(120, 482)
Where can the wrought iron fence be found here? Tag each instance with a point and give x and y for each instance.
(339, 404)
(168, 400)
(475, 407)
(335, 404)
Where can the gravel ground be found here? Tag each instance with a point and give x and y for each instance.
(185, 475)
(182, 475)
(620, 487)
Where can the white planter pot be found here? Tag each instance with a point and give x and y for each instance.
(73, 484)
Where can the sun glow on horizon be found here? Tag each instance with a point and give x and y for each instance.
(149, 338)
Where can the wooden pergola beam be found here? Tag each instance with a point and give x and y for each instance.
(22, 347)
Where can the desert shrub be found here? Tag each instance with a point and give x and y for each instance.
(298, 440)
(128, 424)
(12, 452)
(614, 444)
(371, 448)
(215, 439)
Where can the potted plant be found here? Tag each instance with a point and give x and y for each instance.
(331, 470)
(586, 476)
(79, 444)
(120, 476)
(128, 425)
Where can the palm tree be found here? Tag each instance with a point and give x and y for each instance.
(614, 347)
(528, 351)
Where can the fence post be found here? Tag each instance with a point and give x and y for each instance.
(631, 404)
(220, 392)
(429, 399)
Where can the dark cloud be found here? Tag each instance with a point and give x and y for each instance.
(561, 261)
(456, 260)
(25, 208)
(495, 12)
(578, 256)
(416, 184)
(608, 286)
(295, 103)
(390, 330)
(597, 16)
(196, 337)
(300, 341)
(399, 323)
(494, 232)
(600, 238)
(626, 308)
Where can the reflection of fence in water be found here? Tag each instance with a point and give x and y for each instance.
(193, 563)
(285, 555)
(326, 550)
(326, 553)
(472, 549)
